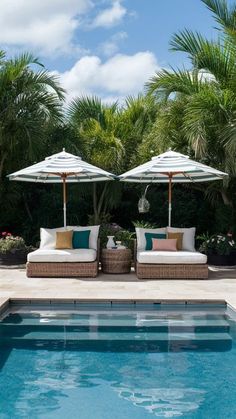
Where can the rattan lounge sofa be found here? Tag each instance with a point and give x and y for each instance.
(50, 262)
(183, 264)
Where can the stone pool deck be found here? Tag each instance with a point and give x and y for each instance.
(221, 286)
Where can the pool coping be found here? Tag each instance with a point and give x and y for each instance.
(5, 304)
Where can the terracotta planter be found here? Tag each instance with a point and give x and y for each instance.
(221, 260)
(13, 258)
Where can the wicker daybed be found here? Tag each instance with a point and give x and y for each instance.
(183, 264)
(47, 261)
(62, 269)
(173, 271)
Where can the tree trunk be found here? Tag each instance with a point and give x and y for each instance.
(4, 156)
(98, 203)
(227, 201)
(101, 199)
(27, 208)
(95, 203)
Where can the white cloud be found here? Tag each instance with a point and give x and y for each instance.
(115, 78)
(46, 25)
(111, 16)
(111, 46)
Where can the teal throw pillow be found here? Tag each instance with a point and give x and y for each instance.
(150, 236)
(80, 239)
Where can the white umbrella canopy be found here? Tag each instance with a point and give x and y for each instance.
(171, 167)
(62, 167)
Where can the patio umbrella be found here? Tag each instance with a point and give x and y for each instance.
(62, 168)
(171, 167)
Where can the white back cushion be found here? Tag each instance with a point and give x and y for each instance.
(141, 239)
(93, 237)
(48, 237)
(188, 237)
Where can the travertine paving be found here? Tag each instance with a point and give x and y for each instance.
(221, 285)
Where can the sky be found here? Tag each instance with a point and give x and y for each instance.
(108, 48)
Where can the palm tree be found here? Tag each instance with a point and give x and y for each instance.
(208, 91)
(29, 101)
(96, 126)
(136, 120)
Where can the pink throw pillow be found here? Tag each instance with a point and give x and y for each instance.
(164, 244)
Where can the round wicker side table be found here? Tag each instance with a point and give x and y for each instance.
(116, 261)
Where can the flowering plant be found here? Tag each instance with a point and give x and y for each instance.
(10, 243)
(220, 244)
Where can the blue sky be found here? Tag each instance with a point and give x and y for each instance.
(103, 47)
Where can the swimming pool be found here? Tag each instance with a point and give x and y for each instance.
(114, 361)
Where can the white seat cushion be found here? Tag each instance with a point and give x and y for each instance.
(62, 255)
(180, 257)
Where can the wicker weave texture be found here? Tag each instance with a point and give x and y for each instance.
(117, 261)
(62, 269)
(171, 271)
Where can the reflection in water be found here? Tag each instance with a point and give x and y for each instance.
(62, 362)
(163, 402)
(52, 376)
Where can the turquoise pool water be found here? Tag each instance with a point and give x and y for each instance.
(118, 362)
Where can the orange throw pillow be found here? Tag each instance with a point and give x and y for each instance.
(64, 239)
(179, 237)
(164, 244)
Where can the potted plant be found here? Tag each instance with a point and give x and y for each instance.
(13, 249)
(219, 249)
(116, 231)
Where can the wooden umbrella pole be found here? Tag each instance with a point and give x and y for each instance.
(64, 198)
(169, 199)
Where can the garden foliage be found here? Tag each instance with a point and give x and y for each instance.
(193, 111)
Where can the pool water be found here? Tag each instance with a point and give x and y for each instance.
(118, 362)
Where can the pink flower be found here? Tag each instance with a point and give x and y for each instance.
(9, 234)
(4, 233)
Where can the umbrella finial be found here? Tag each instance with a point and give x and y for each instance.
(169, 149)
(64, 149)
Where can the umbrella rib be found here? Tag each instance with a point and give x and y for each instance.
(187, 176)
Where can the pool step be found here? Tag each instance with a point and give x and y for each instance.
(45, 328)
(122, 342)
(115, 317)
(115, 321)
(116, 331)
(171, 336)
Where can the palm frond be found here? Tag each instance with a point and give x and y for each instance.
(166, 82)
(2, 55)
(217, 58)
(86, 108)
(48, 80)
(221, 11)
(187, 41)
